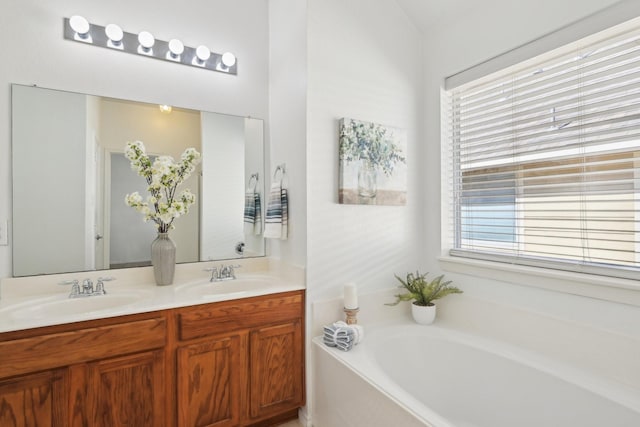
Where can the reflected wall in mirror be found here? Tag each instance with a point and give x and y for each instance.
(70, 178)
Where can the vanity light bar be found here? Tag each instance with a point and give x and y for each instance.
(79, 29)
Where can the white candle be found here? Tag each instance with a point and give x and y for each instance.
(350, 296)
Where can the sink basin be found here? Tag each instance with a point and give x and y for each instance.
(229, 289)
(64, 307)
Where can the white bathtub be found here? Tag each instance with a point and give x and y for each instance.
(407, 375)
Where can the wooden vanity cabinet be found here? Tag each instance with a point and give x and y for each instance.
(98, 373)
(126, 391)
(275, 359)
(241, 362)
(33, 400)
(209, 379)
(226, 364)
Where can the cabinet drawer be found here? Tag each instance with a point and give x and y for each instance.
(233, 315)
(32, 354)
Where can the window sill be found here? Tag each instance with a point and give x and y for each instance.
(592, 286)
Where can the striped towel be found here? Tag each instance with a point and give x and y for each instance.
(342, 336)
(277, 217)
(258, 216)
(252, 213)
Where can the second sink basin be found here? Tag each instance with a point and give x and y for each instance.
(231, 289)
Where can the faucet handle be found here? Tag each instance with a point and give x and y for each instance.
(100, 285)
(214, 273)
(232, 271)
(75, 288)
(100, 288)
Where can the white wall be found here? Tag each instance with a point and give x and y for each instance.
(287, 122)
(497, 27)
(364, 62)
(36, 53)
(254, 163)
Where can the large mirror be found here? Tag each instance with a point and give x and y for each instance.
(70, 178)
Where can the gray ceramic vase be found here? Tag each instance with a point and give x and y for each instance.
(163, 259)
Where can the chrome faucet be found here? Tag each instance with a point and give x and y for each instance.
(87, 289)
(228, 272)
(214, 273)
(224, 272)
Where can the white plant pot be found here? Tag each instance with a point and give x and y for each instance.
(423, 315)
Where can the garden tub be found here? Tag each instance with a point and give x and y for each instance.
(407, 375)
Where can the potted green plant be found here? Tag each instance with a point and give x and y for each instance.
(423, 292)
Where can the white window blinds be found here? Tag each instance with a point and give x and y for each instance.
(544, 160)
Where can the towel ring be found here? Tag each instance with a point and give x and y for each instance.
(279, 168)
(254, 176)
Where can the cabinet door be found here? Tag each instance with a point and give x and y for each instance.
(209, 383)
(276, 369)
(128, 390)
(33, 400)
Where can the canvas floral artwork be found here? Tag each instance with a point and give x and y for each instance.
(373, 167)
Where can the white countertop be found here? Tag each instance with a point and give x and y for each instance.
(38, 301)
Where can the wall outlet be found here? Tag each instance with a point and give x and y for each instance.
(4, 231)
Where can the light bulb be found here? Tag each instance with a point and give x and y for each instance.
(81, 26)
(176, 48)
(115, 35)
(165, 108)
(203, 53)
(228, 59)
(146, 40)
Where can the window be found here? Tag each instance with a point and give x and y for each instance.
(544, 159)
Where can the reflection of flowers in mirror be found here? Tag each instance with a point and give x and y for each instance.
(163, 176)
(370, 142)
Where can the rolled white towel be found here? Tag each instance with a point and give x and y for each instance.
(342, 336)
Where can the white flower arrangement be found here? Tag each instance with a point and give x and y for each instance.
(162, 206)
